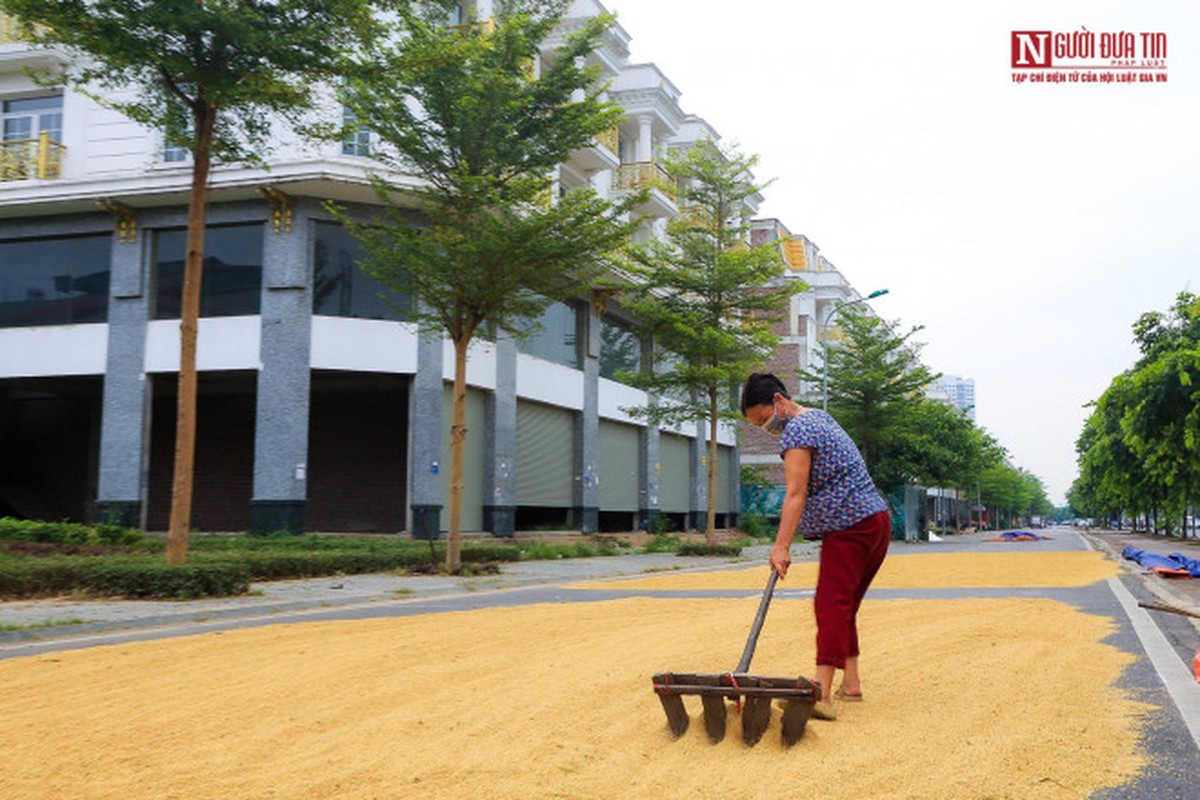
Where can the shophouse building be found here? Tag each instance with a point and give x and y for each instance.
(321, 407)
(809, 323)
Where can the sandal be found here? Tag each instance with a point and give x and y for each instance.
(847, 698)
(823, 710)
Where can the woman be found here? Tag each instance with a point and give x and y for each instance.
(829, 496)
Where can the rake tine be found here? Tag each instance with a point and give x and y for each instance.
(677, 717)
(714, 716)
(795, 717)
(756, 716)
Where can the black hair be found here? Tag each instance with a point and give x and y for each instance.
(760, 389)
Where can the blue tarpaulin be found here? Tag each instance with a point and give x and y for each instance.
(1175, 562)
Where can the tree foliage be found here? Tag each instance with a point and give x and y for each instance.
(707, 298)
(876, 385)
(1139, 452)
(464, 109)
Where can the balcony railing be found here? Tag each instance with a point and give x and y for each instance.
(608, 139)
(22, 159)
(647, 174)
(12, 31)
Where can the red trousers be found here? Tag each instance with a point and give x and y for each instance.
(849, 561)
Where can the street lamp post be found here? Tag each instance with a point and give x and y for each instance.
(825, 342)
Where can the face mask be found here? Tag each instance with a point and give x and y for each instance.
(775, 425)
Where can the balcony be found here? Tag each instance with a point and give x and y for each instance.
(601, 154)
(22, 159)
(648, 175)
(10, 30)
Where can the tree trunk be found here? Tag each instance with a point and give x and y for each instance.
(458, 435)
(185, 415)
(710, 523)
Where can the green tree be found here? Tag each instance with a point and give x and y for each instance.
(213, 75)
(708, 298)
(939, 445)
(1139, 452)
(464, 110)
(876, 388)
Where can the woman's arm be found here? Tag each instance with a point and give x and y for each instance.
(796, 465)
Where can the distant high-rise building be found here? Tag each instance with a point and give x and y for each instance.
(955, 390)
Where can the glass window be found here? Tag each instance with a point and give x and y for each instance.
(180, 120)
(231, 282)
(28, 118)
(620, 348)
(359, 142)
(54, 281)
(557, 337)
(341, 288)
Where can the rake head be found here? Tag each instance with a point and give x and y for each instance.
(752, 694)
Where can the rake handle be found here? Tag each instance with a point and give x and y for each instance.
(759, 618)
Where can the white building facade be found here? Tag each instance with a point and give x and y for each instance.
(320, 406)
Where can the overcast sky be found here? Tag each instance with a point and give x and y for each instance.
(1026, 226)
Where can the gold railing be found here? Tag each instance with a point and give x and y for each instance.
(608, 139)
(831, 333)
(21, 159)
(12, 31)
(485, 27)
(641, 174)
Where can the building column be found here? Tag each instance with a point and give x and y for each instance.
(649, 472)
(733, 485)
(586, 512)
(645, 142)
(125, 408)
(500, 454)
(282, 398)
(425, 439)
(698, 470)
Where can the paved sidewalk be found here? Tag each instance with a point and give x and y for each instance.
(64, 617)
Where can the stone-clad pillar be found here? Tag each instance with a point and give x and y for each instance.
(282, 400)
(425, 439)
(698, 471)
(587, 428)
(649, 474)
(500, 455)
(125, 416)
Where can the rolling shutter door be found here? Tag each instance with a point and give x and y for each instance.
(545, 456)
(618, 467)
(674, 479)
(724, 466)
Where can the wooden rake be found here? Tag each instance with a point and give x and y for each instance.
(798, 694)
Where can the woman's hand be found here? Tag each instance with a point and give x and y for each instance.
(781, 559)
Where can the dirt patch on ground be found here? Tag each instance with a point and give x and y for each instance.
(965, 699)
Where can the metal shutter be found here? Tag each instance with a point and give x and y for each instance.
(618, 467)
(724, 466)
(674, 479)
(545, 456)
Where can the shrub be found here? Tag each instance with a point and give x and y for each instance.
(67, 532)
(699, 549)
(155, 579)
(756, 526)
(663, 543)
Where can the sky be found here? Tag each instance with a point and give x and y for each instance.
(1025, 226)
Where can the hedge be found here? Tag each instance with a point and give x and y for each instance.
(120, 577)
(67, 532)
(697, 549)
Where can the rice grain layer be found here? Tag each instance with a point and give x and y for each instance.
(976, 698)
